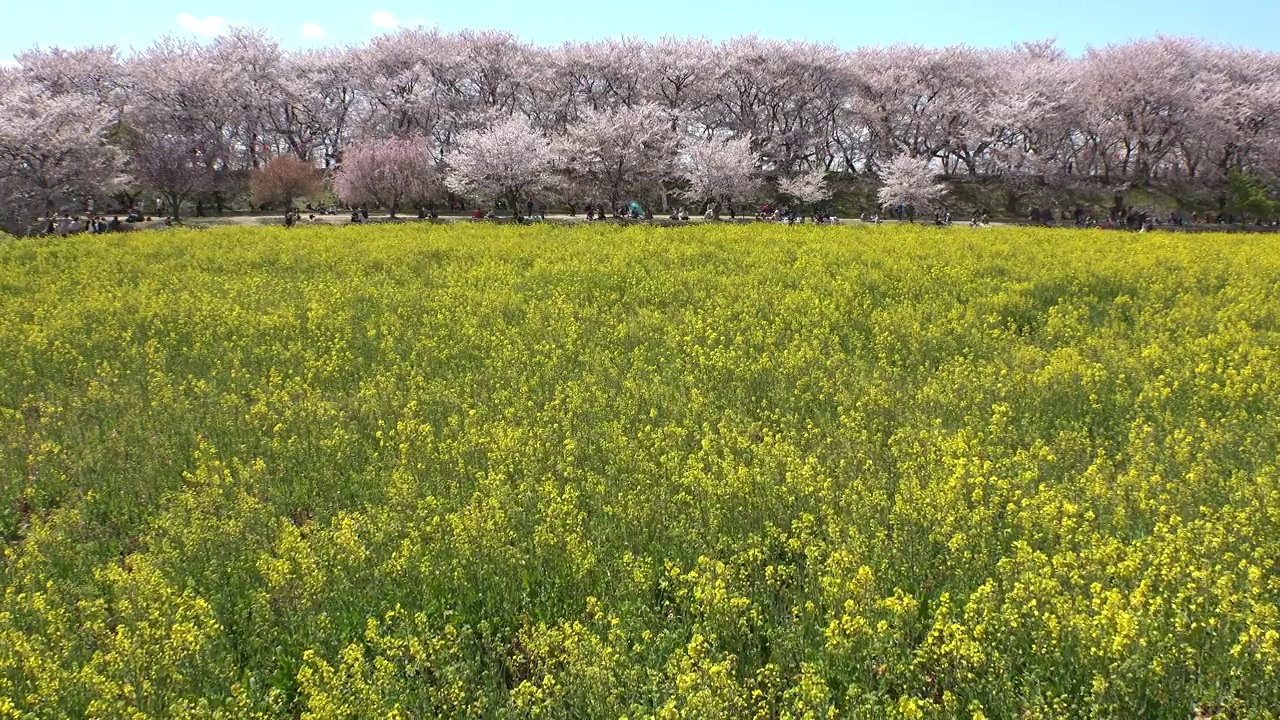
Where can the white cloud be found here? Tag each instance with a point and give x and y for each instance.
(312, 31)
(209, 25)
(384, 19)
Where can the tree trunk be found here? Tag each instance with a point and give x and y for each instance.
(1117, 207)
(513, 199)
(1011, 202)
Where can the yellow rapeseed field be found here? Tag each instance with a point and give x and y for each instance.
(427, 471)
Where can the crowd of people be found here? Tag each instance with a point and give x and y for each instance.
(1129, 218)
(69, 224)
(792, 215)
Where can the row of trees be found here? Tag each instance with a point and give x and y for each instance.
(605, 160)
(601, 121)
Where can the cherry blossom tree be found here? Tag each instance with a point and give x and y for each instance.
(400, 76)
(677, 73)
(389, 173)
(491, 82)
(807, 189)
(172, 166)
(1231, 124)
(92, 72)
(910, 181)
(1138, 97)
(495, 67)
(722, 171)
(320, 103)
(785, 95)
(575, 79)
(1038, 111)
(54, 153)
(248, 67)
(622, 153)
(178, 98)
(891, 103)
(507, 162)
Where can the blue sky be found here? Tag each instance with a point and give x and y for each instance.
(849, 23)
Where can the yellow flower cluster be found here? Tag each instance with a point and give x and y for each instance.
(783, 472)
